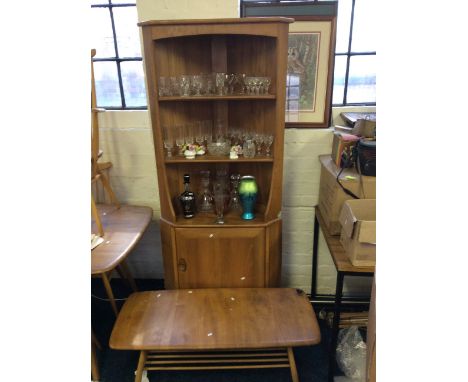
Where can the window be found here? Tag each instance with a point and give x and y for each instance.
(355, 75)
(355, 52)
(118, 66)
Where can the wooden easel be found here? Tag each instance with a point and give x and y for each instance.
(97, 169)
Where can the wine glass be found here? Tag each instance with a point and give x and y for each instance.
(207, 127)
(168, 140)
(268, 141)
(179, 137)
(259, 139)
(197, 84)
(266, 84)
(198, 131)
(184, 85)
(188, 133)
(220, 80)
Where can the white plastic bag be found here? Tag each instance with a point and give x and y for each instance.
(351, 354)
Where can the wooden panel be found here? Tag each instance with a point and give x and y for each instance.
(169, 256)
(221, 257)
(204, 319)
(273, 258)
(253, 56)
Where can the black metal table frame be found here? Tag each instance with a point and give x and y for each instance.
(338, 297)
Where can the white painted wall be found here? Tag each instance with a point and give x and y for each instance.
(126, 140)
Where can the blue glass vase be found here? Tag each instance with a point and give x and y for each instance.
(248, 192)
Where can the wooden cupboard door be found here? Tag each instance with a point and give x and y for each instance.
(220, 257)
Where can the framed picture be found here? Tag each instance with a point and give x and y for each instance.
(311, 57)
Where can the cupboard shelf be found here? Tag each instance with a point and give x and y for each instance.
(218, 98)
(218, 159)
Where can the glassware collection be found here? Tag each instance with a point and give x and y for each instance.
(201, 137)
(234, 193)
(213, 84)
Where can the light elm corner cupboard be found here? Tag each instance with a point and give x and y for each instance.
(198, 253)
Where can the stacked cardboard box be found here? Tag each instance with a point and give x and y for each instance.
(332, 196)
(358, 232)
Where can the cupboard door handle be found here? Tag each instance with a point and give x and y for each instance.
(182, 265)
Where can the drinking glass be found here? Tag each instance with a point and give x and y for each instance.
(197, 84)
(220, 83)
(231, 81)
(266, 84)
(207, 127)
(240, 79)
(198, 132)
(188, 133)
(174, 86)
(234, 203)
(168, 139)
(268, 143)
(179, 137)
(220, 198)
(249, 149)
(259, 139)
(184, 85)
(206, 198)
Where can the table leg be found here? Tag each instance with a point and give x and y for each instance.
(107, 285)
(313, 287)
(141, 365)
(292, 365)
(128, 276)
(336, 322)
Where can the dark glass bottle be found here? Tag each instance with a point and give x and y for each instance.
(187, 199)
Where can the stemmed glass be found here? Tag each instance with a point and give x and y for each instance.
(231, 81)
(259, 139)
(268, 141)
(198, 131)
(240, 79)
(168, 140)
(206, 198)
(188, 133)
(184, 85)
(207, 128)
(179, 138)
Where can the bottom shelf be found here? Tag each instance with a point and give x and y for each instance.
(230, 219)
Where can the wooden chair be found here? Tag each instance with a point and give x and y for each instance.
(120, 226)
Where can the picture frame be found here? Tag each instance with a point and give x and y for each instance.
(311, 59)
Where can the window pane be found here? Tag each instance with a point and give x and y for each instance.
(364, 27)
(133, 83)
(107, 84)
(339, 80)
(343, 25)
(126, 30)
(361, 83)
(101, 32)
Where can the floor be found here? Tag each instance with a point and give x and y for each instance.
(119, 366)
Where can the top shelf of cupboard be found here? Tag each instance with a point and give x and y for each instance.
(254, 26)
(244, 20)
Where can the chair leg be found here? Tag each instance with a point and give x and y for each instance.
(107, 187)
(128, 275)
(107, 285)
(292, 365)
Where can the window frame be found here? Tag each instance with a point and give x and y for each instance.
(117, 59)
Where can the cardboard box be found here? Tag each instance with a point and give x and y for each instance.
(342, 142)
(358, 235)
(332, 196)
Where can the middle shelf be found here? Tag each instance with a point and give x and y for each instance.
(217, 159)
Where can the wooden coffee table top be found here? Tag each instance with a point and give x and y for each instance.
(215, 319)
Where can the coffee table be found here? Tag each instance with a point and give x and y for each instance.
(223, 328)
